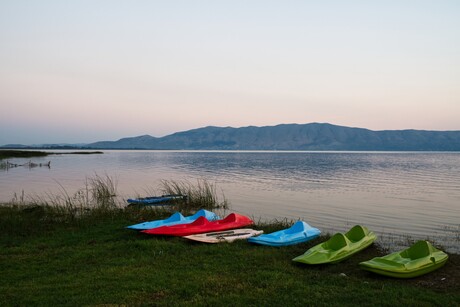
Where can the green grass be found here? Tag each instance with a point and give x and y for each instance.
(48, 259)
(74, 250)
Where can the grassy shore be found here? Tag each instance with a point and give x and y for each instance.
(48, 258)
(75, 250)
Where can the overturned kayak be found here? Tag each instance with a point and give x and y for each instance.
(225, 236)
(339, 247)
(202, 225)
(175, 219)
(297, 233)
(155, 200)
(419, 259)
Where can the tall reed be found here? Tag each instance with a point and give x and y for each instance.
(97, 197)
(202, 195)
(103, 191)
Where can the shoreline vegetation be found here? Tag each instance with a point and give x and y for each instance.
(75, 250)
(9, 153)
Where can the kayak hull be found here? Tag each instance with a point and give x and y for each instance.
(202, 225)
(298, 233)
(225, 236)
(155, 200)
(339, 247)
(419, 259)
(175, 219)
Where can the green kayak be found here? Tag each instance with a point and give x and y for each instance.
(419, 259)
(338, 247)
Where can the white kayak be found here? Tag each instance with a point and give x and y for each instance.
(225, 236)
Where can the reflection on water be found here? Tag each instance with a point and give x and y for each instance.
(417, 194)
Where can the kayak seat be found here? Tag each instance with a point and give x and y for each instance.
(356, 233)
(229, 219)
(176, 217)
(200, 221)
(337, 242)
(199, 213)
(418, 250)
(297, 227)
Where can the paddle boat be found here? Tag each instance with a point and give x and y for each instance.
(339, 247)
(175, 219)
(225, 236)
(297, 233)
(202, 225)
(419, 259)
(155, 200)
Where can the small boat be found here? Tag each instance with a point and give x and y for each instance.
(202, 225)
(175, 219)
(225, 236)
(419, 259)
(155, 200)
(297, 233)
(339, 247)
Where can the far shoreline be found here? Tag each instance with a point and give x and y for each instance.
(22, 153)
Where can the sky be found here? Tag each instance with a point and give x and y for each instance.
(91, 70)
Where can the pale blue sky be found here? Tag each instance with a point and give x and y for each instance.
(83, 71)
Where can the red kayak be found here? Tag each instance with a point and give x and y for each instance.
(202, 225)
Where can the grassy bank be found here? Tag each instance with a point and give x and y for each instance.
(49, 258)
(74, 250)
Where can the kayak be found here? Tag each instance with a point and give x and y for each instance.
(419, 259)
(155, 200)
(202, 225)
(225, 236)
(175, 219)
(339, 247)
(297, 233)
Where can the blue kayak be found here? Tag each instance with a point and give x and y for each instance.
(155, 200)
(298, 233)
(175, 219)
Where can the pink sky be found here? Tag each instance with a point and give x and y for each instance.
(101, 70)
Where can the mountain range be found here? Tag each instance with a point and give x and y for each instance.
(313, 136)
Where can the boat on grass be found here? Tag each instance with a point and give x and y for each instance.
(225, 236)
(339, 247)
(419, 259)
(202, 225)
(298, 233)
(156, 200)
(175, 219)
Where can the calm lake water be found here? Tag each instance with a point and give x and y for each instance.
(403, 193)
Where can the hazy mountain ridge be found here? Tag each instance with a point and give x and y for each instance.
(314, 136)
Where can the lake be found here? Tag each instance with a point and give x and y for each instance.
(395, 194)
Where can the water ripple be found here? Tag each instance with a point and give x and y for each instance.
(417, 194)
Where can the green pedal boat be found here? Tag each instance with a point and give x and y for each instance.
(419, 259)
(339, 247)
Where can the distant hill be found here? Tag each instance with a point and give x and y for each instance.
(314, 136)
